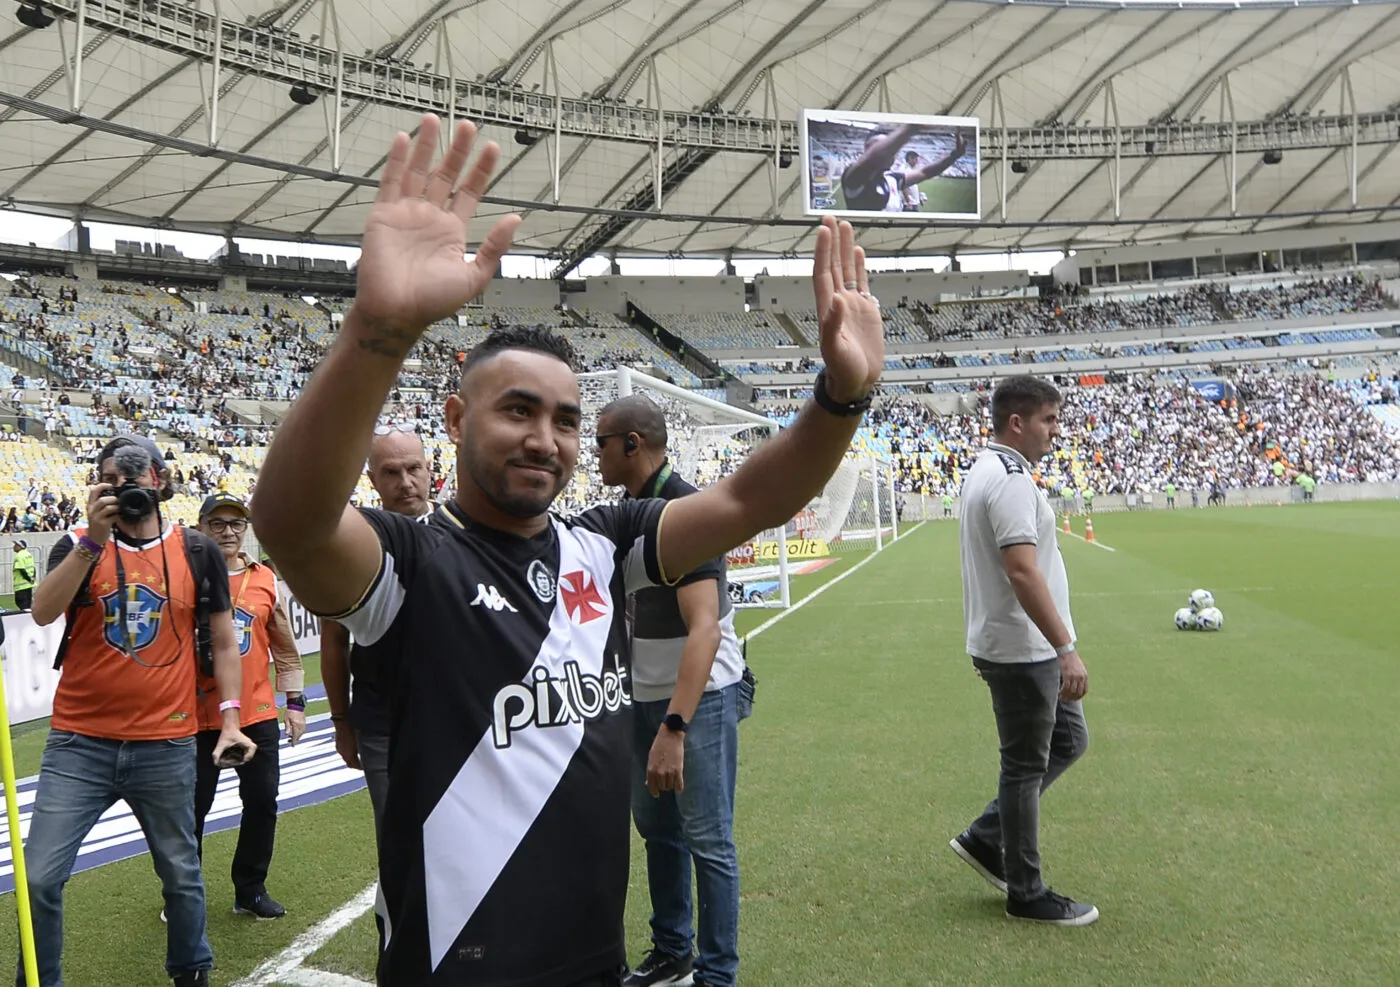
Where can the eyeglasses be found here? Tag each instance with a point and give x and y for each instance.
(219, 525)
(389, 429)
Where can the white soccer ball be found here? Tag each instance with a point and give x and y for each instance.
(1210, 619)
(1186, 619)
(1201, 599)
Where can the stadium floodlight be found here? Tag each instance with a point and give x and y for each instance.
(31, 14)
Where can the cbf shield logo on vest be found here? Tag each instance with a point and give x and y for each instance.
(243, 627)
(143, 612)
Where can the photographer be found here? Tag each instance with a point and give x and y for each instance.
(135, 591)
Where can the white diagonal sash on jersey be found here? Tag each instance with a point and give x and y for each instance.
(311, 772)
(491, 804)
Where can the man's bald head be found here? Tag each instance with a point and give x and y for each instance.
(635, 413)
(398, 469)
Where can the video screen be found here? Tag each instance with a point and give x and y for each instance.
(879, 164)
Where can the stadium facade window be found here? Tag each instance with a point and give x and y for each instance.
(1178, 267)
(1337, 253)
(1106, 275)
(1210, 264)
(1133, 272)
(1086, 275)
(1379, 250)
(1242, 263)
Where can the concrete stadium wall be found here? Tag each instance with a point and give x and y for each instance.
(891, 288)
(1326, 236)
(522, 292)
(657, 295)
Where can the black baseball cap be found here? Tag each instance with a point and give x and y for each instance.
(213, 502)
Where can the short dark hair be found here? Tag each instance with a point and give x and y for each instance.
(1022, 395)
(534, 339)
(637, 413)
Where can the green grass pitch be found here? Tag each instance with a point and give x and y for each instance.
(1234, 818)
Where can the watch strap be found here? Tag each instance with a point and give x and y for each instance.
(848, 409)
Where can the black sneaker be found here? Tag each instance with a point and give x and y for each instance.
(198, 978)
(981, 858)
(1052, 909)
(661, 970)
(262, 907)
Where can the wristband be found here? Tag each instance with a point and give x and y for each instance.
(229, 704)
(90, 545)
(1065, 649)
(849, 409)
(297, 702)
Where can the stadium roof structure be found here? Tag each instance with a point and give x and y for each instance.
(1102, 123)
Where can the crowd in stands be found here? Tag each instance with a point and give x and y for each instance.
(1194, 306)
(132, 357)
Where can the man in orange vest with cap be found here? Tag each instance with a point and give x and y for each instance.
(263, 629)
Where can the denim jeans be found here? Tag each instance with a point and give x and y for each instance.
(79, 779)
(1040, 736)
(695, 824)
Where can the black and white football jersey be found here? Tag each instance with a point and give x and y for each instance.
(505, 847)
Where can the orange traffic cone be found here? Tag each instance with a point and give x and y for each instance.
(1088, 529)
(1067, 531)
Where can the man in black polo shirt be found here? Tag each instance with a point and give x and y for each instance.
(398, 469)
(686, 671)
(505, 850)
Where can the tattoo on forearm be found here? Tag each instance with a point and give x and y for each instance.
(384, 347)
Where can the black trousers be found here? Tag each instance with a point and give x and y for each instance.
(257, 787)
(24, 599)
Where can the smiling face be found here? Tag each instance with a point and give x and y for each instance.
(516, 429)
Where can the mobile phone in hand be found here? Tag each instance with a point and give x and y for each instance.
(233, 756)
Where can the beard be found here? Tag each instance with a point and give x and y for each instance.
(493, 481)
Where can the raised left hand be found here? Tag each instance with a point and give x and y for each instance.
(852, 332)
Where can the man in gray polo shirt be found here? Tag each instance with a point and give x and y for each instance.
(1021, 639)
(687, 669)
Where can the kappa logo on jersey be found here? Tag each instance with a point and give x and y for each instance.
(581, 597)
(243, 624)
(549, 701)
(143, 610)
(541, 580)
(491, 598)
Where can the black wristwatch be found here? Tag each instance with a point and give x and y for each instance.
(850, 409)
(675, 723)
(297, 701)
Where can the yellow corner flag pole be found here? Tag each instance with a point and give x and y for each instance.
(7, 774)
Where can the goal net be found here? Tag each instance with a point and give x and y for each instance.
(858, 510)
(706, 441)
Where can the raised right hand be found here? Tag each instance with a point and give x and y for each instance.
(101, 512)
(412, 270)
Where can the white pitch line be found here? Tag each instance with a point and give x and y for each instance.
(825, 586)
(305, 976)
(285, 964)
(1085, 540)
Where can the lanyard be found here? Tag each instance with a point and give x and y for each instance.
(661, 478)
(243, 585)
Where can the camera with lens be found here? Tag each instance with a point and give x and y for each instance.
(134, 502)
